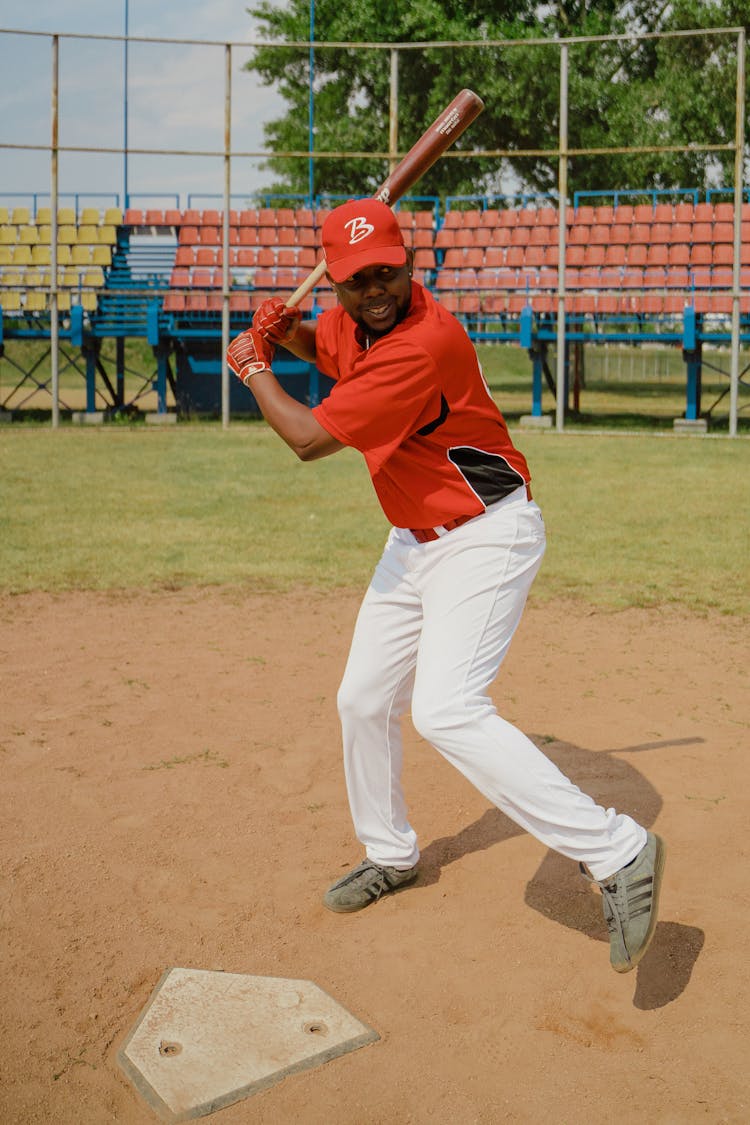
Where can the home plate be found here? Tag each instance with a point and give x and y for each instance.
(207, 1039)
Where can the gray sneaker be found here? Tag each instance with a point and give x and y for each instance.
(630, 903)
(365, 884)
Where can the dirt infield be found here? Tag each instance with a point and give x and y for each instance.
(173, 795)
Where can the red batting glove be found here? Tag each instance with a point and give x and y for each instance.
(275, 321)
(248, 354)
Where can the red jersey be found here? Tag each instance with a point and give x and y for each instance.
(416, 404)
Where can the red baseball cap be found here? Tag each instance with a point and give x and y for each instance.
(361, 233)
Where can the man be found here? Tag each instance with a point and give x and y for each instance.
(448, 592)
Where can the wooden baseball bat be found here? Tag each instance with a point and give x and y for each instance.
(451, 123)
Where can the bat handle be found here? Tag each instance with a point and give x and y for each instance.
(307, 285)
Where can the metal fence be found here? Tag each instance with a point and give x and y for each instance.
(231, 155)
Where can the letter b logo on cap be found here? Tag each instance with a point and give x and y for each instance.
(358, 228)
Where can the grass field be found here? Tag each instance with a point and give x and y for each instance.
(632, 519)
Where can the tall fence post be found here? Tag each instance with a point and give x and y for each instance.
(53, 302)
(562, 192)
(739, 150)
(225, 274)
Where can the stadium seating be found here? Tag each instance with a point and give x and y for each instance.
(641, 260)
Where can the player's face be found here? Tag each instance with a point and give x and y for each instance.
(378, 297)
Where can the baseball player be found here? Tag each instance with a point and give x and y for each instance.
(448, 592)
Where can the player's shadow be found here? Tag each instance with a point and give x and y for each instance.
(557, 889)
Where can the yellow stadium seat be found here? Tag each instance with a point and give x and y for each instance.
(11, 277)
(94, 278)
(21, 255)
(21, 216)
(44, 216)
(67, 234)
(88, 234)
(108, 234)
(88, 300)
(4, 216)
(32, 276)
(80, 255)
(6, 255)
(10, 301)
(44, 232)
(7, 235)
(36, 301)
(70, 277)
(101, 255)
(63, 255)
(66, 216)
(89, 217)
(63, 301)
(113, 217)
(28, 235)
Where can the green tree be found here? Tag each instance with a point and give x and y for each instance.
(632, 92)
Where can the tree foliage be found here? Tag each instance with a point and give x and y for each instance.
(668, 92)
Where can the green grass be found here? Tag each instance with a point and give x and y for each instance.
(632, 520)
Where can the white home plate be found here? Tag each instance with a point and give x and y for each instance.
(207, 1039)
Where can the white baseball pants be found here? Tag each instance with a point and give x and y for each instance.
(433, 629)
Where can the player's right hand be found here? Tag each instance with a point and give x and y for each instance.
(248, 354)
(275, 321)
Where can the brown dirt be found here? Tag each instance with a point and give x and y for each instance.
(173, 795)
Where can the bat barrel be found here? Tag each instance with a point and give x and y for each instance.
(445, 129)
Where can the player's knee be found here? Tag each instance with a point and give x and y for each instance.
(432, 716)
(358, 701)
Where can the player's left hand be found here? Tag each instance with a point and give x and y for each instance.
(248, 354)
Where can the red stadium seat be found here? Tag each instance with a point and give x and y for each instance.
(637, 254)
(684, 212)
(579, 235)
(700, 254)
(594, 255)
(724, 213)
(679, 254)
(239, 302)
(174, 302)
(614, 255)
(624, 213)
(723, 254)
(547, 217)
(657, 255)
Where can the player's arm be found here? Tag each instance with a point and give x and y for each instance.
(249, 357)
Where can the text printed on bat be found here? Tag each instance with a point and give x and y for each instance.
(447, 126)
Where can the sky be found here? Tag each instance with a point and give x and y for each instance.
(175, 100)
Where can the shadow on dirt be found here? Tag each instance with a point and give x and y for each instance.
(557, 889)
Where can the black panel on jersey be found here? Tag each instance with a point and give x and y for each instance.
(432, 426)
(489, 474)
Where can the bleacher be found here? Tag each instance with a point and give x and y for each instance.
(635, 272)
(645, 260)
(84, 252)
